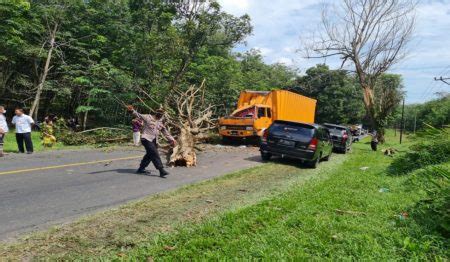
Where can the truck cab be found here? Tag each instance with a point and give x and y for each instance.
(246, 122)
(256, 110)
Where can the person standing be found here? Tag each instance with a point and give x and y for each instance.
(136, 124)
(374, 142)
(48, 138)
(23, 125)
(3, 129)
(152, 126)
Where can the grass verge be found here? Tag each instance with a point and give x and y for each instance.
(359, 212)
(10, 144)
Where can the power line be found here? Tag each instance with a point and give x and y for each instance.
(429, 90)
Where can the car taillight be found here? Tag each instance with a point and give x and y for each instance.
(313, 144)
(265, 135)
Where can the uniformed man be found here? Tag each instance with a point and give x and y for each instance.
(152, 126)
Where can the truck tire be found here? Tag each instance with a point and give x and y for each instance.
(265, 156)
(226, 140)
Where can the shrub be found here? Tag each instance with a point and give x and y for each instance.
(433, 147)
(433, 212)
(98, 136)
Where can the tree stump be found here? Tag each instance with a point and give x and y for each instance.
(183, 153)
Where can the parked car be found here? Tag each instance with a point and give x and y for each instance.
(341, 136)
(307, 142)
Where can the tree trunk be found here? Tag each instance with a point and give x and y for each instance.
(85, 118)
(369, 104)
(184, 153)
(35, 106)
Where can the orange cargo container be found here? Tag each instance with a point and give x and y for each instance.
(256, 110)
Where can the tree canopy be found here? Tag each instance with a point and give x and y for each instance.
(76, 57)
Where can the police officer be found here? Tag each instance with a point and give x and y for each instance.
(152, 126)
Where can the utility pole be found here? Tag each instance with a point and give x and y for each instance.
(401, 124)
(443, 79)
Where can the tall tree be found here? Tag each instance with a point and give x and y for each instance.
(18, 23)
(388, 94)
(372, 36)
(337, 92)
(52, 13)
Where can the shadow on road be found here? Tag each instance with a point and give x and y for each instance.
(128, 171)
(279, 160)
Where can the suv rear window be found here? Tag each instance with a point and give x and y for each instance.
(298, 129)
(335, 130)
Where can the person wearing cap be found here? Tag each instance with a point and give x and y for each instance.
(152, 126)
(3, 128)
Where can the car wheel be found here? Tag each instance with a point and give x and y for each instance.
(344, 151)
(327, 157)
(265, 156)
(314, 163)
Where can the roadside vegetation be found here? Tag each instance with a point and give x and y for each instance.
(352, 207)
(11, 145)
(435, 112)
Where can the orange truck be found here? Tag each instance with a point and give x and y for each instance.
(256, 110)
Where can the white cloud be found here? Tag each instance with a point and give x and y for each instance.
(236, 7)
(279, 24)
(264, 50)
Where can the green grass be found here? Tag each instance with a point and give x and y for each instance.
(10, 144)
(344, 217)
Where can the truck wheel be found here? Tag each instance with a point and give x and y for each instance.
(265, 156)
(226, 140)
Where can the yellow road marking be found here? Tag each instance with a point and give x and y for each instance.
(66, 165)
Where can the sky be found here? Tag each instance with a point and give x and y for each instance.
(279, 26)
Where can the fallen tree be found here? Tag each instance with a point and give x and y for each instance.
(191, 118)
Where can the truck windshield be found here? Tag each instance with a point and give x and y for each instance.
(246, 113)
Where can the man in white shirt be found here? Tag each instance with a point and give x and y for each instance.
(23, 130)
(3, 128)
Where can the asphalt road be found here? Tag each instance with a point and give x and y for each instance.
(49, 188)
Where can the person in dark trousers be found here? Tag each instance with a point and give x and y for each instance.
(152, 126)
(374, 141)
(23, 125)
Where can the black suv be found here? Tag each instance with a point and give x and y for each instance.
(308, 142)
(341, 136)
